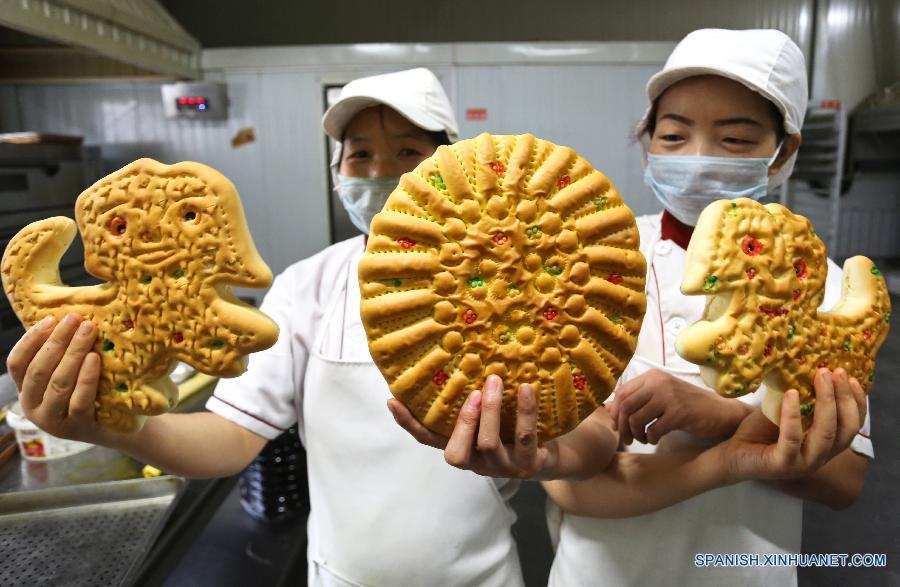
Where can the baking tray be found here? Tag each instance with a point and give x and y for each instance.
(82, 535)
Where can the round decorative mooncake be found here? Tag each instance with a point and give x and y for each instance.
(504, 255)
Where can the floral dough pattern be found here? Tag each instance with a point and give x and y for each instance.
(506, 255)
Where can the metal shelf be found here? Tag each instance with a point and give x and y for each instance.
(820, 169)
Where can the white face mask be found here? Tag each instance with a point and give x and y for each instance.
(685, 185)
(364, 197)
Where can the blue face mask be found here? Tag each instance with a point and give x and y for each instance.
(364, 197)
(687, 185)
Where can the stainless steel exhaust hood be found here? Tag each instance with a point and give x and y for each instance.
(76, 40)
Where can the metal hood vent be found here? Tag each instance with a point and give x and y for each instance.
(73, 40)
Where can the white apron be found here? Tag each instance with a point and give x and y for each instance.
(385, 510)
(659, 548)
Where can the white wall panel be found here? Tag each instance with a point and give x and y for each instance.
(845, 65)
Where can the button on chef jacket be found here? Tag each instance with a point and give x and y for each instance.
(385, 510)
(659, 548)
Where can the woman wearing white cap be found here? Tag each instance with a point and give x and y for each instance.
(385, 511)
(723, 122)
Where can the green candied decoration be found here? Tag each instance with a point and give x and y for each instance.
(806, 409)
(553, 269)
(601, 203)
(513, 289)
(615, 319)
(710, 283)
(738, 390)
(791, 331)
(178, 273)
(506, 336)
(871, 377)
(146, 279)
(533, 232)
(438, 182)
(396, 282)
(847, 344)
(216, 343)
(108, 346)
(477, 281)
(875, 271)
(732, 210)
(713, 356)
(122, 386)
(887, 316)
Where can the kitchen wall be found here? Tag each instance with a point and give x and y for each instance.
(856, 50)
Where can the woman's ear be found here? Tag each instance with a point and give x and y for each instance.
(788, 147)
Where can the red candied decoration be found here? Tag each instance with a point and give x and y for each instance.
(499, 238)
(615, 278)
(550, 313)
(772, 312)
(117, 225)
(563, 181)
(801, 269)
(128, 324)
(801, 359)
(767, 351)
(406, 243)
(179, 338)
(822, 365)
(751, 246)
(751, 273)
(579, 381)
(496, 167)
(440, 378)
(795, 294)
(867, 334)
(469, 316)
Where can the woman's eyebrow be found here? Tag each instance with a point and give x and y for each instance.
(737, 120)
(677, 118)
(356, 139)
(410, 135)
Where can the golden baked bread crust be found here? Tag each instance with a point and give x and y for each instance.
(168, 240)
(763, 269)
(509, 255)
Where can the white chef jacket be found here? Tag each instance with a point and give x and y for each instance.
(659, 548)
(384, 509)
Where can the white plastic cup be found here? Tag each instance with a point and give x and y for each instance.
(37, 445)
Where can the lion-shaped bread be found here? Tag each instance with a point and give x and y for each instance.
(763, 271)
(504, 255)
(167, 240)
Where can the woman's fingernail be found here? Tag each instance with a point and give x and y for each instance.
(85, 328)
(47, 322)
(475, 399)
(71, 319)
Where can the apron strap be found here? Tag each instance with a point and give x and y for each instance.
(337, 300)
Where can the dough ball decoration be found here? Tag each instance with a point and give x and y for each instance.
(763, 271)
(504, 255)
(168, 240)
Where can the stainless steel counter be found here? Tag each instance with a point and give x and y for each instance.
(208, 539)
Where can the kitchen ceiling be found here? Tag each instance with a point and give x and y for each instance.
(77, 40)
